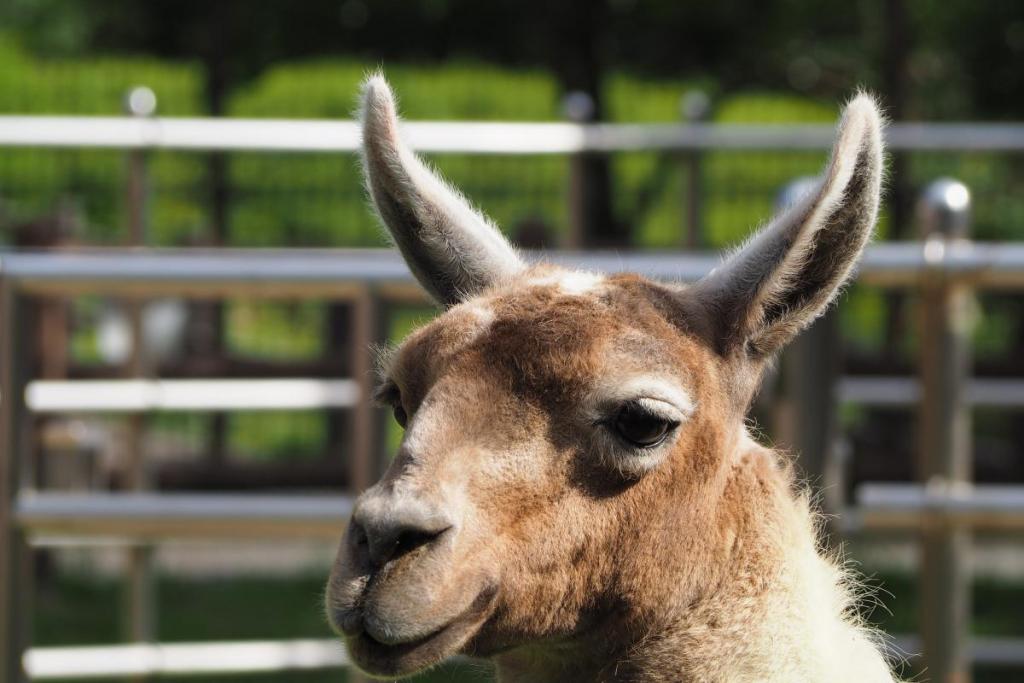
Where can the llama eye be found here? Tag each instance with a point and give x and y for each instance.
(400, 416)
(640, 427)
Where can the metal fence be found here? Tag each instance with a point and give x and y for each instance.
(281, 183)
(368, 280)
(944, 268)
(468, 137)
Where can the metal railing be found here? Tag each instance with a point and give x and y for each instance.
(140, 517)
(369, 281)
(469, 137)
(183, 659)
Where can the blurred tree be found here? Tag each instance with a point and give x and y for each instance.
(929, 58)
(964, 58)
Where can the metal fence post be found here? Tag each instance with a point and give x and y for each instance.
(138, 102)
(944, 442)
(15, 554)
(367, 455)
(695, 107)
(368, 449)
(139, 615)
(578, 107)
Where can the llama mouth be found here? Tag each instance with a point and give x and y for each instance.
(399, 659)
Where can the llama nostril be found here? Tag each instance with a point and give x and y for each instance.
(357, 541)
(410, 539)
(386, 526)
(393, 542)
(357, 536)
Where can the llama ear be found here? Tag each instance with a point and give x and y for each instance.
(452, 250)
(786, 275)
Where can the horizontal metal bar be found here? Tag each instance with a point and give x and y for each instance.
(906, 391)
(136, 395)
(912, 506)
(168, 659)
(474, 137)
(990, 650)
(159, 516)
(258, 272)
(879, 391)
(232, 657)
(987, 265)
(997, 651)
(276, 273)
(280, 267)
(204, 272)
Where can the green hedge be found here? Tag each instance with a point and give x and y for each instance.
(317, 200)
(33, 181)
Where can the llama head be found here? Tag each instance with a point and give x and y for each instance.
(567, 434)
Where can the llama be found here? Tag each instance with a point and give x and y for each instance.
(576, 496)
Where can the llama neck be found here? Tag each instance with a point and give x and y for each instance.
(773, 609)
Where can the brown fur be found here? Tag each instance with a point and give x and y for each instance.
(591, 567)
(554, 549)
